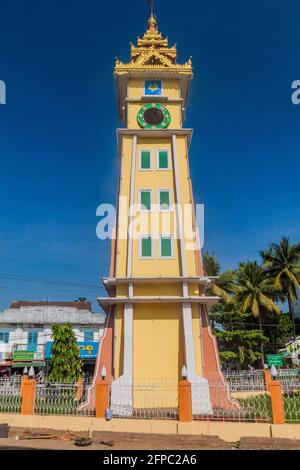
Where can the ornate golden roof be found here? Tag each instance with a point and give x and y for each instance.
(152, 53)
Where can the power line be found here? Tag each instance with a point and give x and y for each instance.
(15, 277)
(255, 324)
(46, 288)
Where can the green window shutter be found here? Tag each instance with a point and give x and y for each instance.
(32, 341)
(146, 200)
(163, 160)
(164, 199)
(146, 160)
(146, 246)
(4, 337)
(166, 246)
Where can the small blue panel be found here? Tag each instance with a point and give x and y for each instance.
(153, 87)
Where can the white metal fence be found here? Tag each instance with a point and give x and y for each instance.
(247, 401)
(240, 381)
(61, 399)
(246, 406)
(145, 400)
(291, 400)
(10, 397)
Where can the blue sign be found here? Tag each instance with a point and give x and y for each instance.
(152, 87)
(88, 349)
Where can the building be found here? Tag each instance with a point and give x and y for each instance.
(25, 332)
(157, 302)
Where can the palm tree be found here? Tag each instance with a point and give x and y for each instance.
(255, 292)
(282, 264)
(221, 284)
(211, 265)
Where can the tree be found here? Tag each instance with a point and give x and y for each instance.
(211, 265)
(277, 329)
(255, 292)
(221, 284)
(282, 264)
(239, 343)
(80, 300)
(65, 363)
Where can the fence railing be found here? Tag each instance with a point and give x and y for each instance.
(246, 406)
(10, 396)
(291, 401)
(61, 399)
(152, 400)
(240, 381)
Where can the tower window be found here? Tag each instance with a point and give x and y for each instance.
(166, 248)
(163, 160)
(164, 199)
(145, 247)
(145, 199)
(145, 161)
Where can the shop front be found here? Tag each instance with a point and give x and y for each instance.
(88, 353)
(25, 358)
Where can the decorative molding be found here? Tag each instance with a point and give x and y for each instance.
(131, 200)
(178, 205)
(201, 403)
(121, 388)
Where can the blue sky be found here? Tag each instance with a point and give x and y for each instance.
(57, 131)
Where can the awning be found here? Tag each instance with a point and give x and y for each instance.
(28, 364)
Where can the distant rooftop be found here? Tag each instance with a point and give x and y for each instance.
(47, 313)
(29, 303)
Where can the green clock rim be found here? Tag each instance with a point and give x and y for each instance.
(165, 111)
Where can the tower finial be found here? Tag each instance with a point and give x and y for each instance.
(151, 5)
(152, 24)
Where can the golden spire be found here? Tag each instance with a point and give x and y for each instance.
(152, 52)
(152, 24)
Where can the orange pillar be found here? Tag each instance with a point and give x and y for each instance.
(102, 395)
(23, 379)
(277, 402)
(185, 401)
(267, 379)
(79, 388)
(28, 396)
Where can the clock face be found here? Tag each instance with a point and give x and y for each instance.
(154, 116)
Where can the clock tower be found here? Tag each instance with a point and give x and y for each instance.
(157, 302)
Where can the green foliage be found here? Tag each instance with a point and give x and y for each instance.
(211, 265)
(254, 291)
(277, 328)
(248, 321)
(222, 285)
(81, 299)
(239, 341)
(228, 357)
(65, 364)
(282, 265)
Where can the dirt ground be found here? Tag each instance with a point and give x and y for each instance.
(108, 441)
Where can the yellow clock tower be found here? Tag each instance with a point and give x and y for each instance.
(157, 322)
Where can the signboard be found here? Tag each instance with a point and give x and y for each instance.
(87, 349)
(274, 359)
(23, 355)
